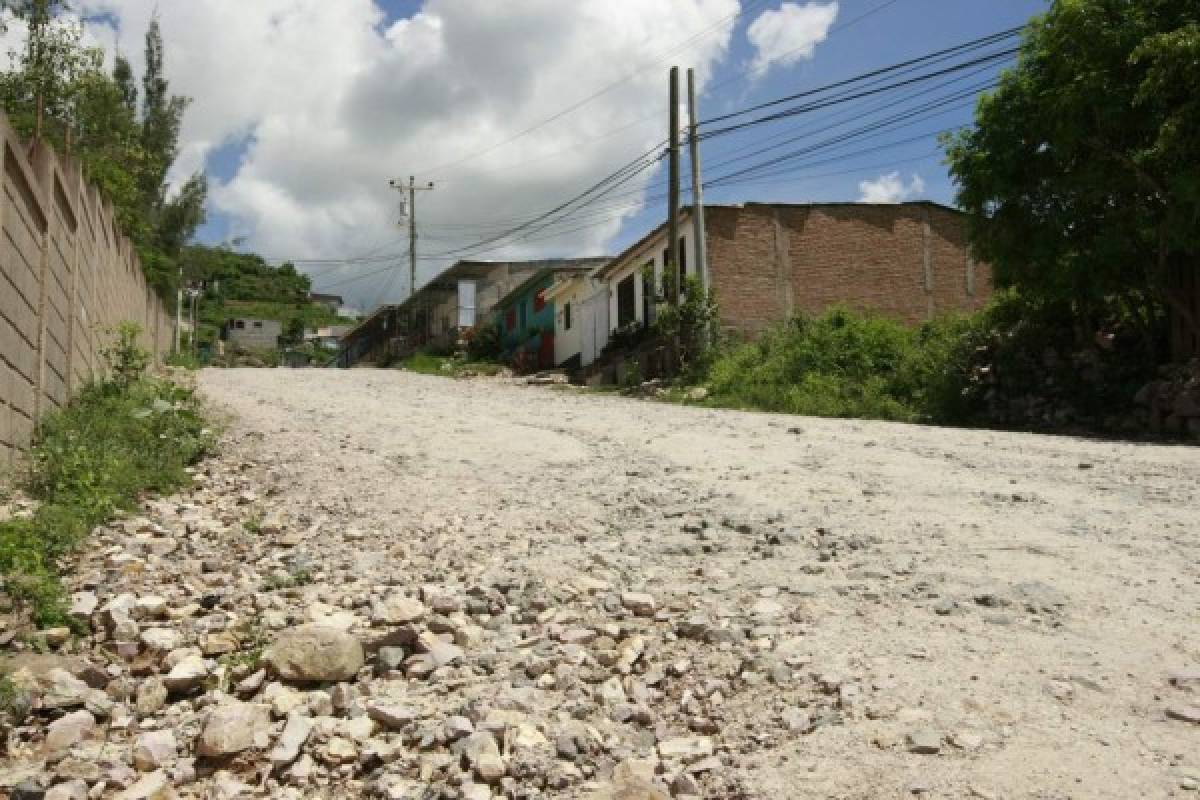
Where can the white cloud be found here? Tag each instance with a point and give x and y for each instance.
(789, 34)
(890, 188)
(334, 102)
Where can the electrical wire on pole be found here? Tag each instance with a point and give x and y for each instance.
(412, 226)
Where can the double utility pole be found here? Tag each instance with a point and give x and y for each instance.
(412, 226)
(674, 248)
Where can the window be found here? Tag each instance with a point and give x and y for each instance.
(239, 324)
(626, 301)
(257, 324)
(523, 313)
(466, 304)
(566, 316)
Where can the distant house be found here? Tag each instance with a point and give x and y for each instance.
(460, 298)
(580, 319)
(329, 337)
(253, 334)
(768, 262)
(331, 301)
(526, 316)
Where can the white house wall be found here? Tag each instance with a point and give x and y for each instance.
(649, 252)
(568, 342)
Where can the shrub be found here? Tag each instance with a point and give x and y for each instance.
(483, 342)
(119, 438)
(1039, 364)
(848, 364)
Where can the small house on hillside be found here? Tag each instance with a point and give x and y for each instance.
(461, 297)
(333, 302)
(768, 262)
(580, 319)
(525, 317)
(253, 334)
(328, 337)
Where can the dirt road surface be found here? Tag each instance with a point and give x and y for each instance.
(838, 609)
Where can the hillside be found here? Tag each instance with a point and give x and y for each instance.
(244, 285)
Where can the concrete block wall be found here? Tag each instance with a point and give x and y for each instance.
(68, 276)
(909, 261)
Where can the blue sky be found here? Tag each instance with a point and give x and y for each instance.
(890, 32)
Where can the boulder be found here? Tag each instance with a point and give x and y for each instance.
(312, 653)
(154, 750)
(233, 727)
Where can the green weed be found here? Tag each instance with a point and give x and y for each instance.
(120, 438)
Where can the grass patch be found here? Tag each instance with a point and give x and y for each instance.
(845, 364)
(448, 366)
(297, 577)
(120, 438)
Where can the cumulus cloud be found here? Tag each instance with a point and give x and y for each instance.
(890, 188)
(333, 100)
(789, 34)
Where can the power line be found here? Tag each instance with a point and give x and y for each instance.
(853, 89)
(974, 44)
(752, 4)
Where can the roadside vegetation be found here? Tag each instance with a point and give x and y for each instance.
(844, 364)
(122, 437)
(428, 363)
(125, 131)
(1080, 179)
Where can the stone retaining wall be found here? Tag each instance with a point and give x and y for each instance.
(68, 276)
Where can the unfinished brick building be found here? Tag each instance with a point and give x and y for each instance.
(771, 261)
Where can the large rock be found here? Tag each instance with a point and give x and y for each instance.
(396, 609)
(233, 727)
(295, 734)
(188, 674)
(392, 716)
(69, 730)
(315, 653)
(154, 750)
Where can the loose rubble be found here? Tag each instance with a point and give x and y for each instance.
(259, 637)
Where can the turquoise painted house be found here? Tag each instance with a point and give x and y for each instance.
(525, 318)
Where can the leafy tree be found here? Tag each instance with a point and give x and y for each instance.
(1082, 171)
(59, 91)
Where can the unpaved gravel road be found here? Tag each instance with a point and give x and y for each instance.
(1017, 602)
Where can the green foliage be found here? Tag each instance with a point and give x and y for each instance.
(1024, 365)
(428, 363)
(118, 439)
(244, 285)
(301, 576)
(57, 90)
(693, 323)
(484, 342)
(841, 364)
(1082, 172)
(127, 360)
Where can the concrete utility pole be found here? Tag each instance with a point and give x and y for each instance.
(179, 314)
(673, 183)
(412, 227)
(698, 232)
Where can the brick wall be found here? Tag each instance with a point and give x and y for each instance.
(67, 277)
(909, 261)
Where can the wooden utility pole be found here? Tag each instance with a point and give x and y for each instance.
(412, 227)
(698, 232)
(673, 186)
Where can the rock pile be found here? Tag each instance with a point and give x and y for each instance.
(231, 651)
(1173, 402)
